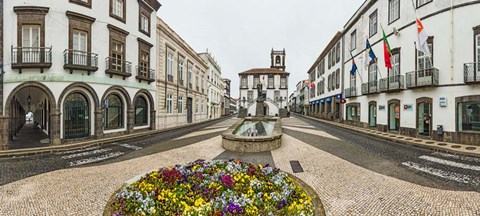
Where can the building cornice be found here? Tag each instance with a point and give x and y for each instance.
(163, 27)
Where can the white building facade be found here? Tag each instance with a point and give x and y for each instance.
(325, 94)
(215, 89)
(84, 69)
(182, 81)
(421, 95)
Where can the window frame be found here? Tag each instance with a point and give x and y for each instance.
(181, 69)
(180, 104)
(87, 4)
(390, 20)
(395, 51)
(146, 11)
(123, 18)
(370, 32)
(121, 115)
(430, 42)
(145, 112)
(169, 105)
(353, 40)
(465, 100)
(418, 5)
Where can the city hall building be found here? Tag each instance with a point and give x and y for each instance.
(274, 82)
(433, 96)
(79, 70)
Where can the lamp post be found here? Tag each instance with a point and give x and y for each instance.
(243, 100)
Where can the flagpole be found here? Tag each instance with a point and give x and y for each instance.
(361, 80)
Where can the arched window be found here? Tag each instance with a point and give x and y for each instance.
(141, 112)
(114, 112)
(76, 119)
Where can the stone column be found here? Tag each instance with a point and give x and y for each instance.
(152, 119)
(130, 120)
(55, 127)
(4, 132)
(98, 118)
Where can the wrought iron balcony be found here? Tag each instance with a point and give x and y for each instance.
(31, 57)
(471, 72)
(118, 67)
(392, 83)
(180, 82)
(80, 60)
(422, 78)
(170, 78)
(144, 73)
(350, 92)
(190, 86)
(369, 88)
(198, 88)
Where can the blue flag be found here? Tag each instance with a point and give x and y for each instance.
(369, 55)
(354, 67)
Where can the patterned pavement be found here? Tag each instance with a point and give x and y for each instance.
(345, 186)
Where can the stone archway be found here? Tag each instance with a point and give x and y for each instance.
(146, 94)
(95, 113)
(38, 98)
(127, 105)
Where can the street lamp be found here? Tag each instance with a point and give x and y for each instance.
(243, 100)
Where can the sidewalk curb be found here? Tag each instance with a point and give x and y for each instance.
(96, 142)
(445, 147)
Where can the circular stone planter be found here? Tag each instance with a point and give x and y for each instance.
(236, 143)
(319, 210)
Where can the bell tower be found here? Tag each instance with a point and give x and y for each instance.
(278, 59)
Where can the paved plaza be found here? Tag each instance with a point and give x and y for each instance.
(349, 177)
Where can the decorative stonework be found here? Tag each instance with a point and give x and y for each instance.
(232, 142)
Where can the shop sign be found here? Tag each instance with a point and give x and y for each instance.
(381, 107)
(408, 107)
(443, 102)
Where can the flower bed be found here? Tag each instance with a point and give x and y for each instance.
(213, 188)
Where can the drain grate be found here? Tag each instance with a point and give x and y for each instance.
(296, 167)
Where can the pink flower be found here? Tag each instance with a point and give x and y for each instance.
(228, 180)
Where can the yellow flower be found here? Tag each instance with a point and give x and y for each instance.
(199, 202)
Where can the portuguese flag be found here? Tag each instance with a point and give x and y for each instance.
(387, 51)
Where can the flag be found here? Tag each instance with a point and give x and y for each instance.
(369, 55)
(354, 67)
(312, 84)
(422, 44)
(387, 51)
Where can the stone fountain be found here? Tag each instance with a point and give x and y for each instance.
(254, 134)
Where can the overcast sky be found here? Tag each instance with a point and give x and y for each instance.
(241, 34)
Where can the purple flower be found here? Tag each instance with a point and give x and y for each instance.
(228, 181)
(232, 208)
(281, 204)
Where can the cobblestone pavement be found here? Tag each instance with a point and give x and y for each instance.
(405, 162)
(12, 169)
(344, 185)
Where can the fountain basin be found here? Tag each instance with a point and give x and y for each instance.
(254, 134)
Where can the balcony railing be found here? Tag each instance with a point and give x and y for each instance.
(198, 88)
(170, 78)
(118, 67)
(471, 72)
(80, 60)
(31, 57)
(392, 83)
(144, 73)
(369, 88)
(190, 85)
(180, 82)
(422, 78)
(350, 92)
